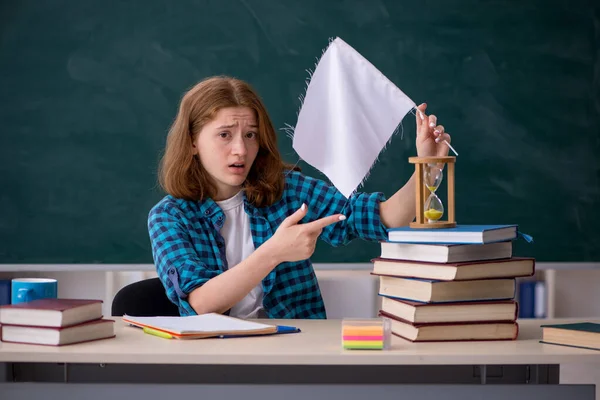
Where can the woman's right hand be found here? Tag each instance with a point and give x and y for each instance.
(293, 241)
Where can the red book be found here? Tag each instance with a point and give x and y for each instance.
(436, 291)
(52, 336)
(452, 332)
(51, 312)
(454, 312)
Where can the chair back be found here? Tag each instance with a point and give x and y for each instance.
(146, 298)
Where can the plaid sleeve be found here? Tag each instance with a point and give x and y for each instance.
(361, 210)
(176, 261)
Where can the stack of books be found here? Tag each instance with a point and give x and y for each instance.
(54, 322)
(451, 284)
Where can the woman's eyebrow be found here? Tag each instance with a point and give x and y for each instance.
(232, 125)
(226, 126)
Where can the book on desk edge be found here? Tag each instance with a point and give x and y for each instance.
(591, 327)
(583, 335)
(571, 345)
(58, 336)
(443, 327)
(59, 312)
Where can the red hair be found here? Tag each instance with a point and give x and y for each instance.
(182, 175)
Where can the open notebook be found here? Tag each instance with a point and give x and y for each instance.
(206, 326)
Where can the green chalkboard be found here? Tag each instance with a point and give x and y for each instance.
(88, 90)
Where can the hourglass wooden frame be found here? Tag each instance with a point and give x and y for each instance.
(421, 192)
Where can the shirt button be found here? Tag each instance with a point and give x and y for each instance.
(220, 218)
(206, 212)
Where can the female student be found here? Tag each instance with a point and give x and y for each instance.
(235, 233)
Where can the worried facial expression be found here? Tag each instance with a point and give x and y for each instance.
(227, 147)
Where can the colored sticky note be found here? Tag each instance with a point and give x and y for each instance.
(359, 337)
(363, 344)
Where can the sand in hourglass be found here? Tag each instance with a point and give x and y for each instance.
(433, 175)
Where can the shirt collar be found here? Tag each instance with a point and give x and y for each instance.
(210, 209)
(250, 208)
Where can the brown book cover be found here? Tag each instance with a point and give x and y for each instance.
(446, 253)
(452, 271)
(51, 312)
(438, 291)
(448, 324)
(52, 304)
(466, 304)
(420, 304)
(58, 336)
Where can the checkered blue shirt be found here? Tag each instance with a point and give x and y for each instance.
(188, 249)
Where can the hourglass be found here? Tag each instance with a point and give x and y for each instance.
(432, 175)
(430, 209)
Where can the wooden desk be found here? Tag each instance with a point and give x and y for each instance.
(313, 359)
(317, 344)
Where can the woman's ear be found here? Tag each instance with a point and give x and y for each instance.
(193, 147)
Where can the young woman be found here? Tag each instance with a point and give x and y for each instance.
(238, 227)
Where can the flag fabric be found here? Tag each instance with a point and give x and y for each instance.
(349, 113)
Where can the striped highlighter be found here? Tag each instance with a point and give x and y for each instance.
(366, 334)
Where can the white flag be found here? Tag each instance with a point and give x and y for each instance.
(349, 113)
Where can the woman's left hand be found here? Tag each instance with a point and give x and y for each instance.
(430, 135)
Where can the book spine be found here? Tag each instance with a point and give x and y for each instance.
(455, 340)
(540, 300)
(527, 299)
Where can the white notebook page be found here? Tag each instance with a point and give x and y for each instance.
(204, 323)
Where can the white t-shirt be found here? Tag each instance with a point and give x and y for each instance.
(238, 246)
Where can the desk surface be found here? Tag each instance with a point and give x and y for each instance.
(317, 344)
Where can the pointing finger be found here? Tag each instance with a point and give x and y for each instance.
(295, 217)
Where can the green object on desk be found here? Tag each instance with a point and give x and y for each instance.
(155, 332)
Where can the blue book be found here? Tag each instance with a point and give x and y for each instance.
(527, 299)
(585, 335)
(461, 234)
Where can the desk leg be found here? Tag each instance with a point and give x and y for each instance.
(483, 373)
(4, 372)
